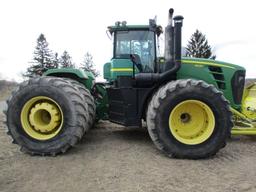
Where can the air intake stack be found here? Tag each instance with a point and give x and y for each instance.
(178, 20)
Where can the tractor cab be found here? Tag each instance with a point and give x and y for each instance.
(134, 50)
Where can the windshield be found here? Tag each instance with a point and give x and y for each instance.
(139, 43)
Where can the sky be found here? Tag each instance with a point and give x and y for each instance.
(79, 26)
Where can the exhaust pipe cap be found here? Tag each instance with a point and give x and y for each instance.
(171, 10)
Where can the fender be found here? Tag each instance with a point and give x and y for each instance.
(84, 77)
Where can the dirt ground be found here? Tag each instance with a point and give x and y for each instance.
(117, 159)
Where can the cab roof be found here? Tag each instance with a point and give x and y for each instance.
(127, 28)
(114, 28)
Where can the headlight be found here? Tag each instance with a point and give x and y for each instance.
(238, 86)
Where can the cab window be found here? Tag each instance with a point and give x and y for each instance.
(139, 43)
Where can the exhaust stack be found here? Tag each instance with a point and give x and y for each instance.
(168, 50)
(173, 41)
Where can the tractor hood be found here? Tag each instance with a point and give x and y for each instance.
(228, 78)
(199, 62)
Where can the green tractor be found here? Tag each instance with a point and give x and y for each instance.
(187, 103)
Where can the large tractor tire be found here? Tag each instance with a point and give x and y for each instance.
(46, 116)
(89, 100)
(189, 119)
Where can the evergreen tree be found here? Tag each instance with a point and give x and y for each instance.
(88, 65)
(56, 60)
(42, 58)
(65, 60)
(198, 46)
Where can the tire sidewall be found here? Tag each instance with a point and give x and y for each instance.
(14, 112)
(171, 101)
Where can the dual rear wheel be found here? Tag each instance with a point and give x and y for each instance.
(48, 115)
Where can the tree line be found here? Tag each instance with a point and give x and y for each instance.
(44, 59)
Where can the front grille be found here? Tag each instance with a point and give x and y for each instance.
(218, 76)
(238, 86)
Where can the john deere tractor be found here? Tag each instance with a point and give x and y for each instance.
(187, 103)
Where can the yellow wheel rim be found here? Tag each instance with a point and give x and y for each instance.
(41, 118)
(191, 122)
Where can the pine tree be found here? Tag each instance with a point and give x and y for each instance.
(56, 60)
(198, 46)
(88, 65)
(66, 60)
(42, 58)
